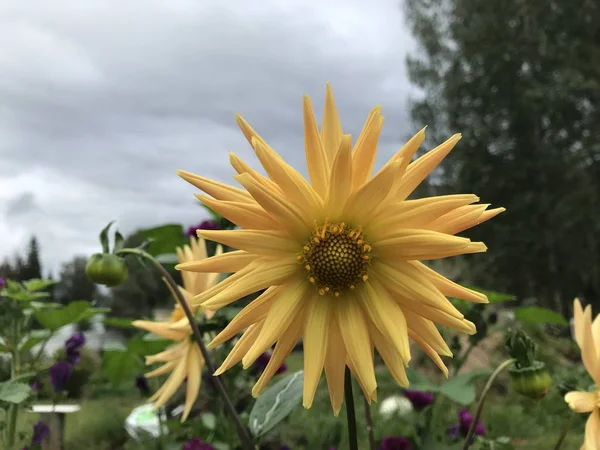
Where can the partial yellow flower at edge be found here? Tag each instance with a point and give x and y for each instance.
(338, 256)
(183, 359)
(587, 336)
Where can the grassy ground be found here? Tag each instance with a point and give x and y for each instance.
(531, 425)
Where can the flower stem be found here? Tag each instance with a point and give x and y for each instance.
(481, 402)
(350, 412)
(13, 410)
(370, 426)
(242, 432)
(565, 431)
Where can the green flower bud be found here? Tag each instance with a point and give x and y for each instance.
(108, 269)
(522, 348)
(533, 381)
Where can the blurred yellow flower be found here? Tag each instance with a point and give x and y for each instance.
(338, 257)
(184, 359)
(587, 336)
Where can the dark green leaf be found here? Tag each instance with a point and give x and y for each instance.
(119, 242)
(143, 347)
(118, 322)
(461, 388)
(53, 319)
(38, 285)
(104, 237)
(164, 238)
(44, 305)
(34, 338)
(121, 366)
(537, 314)
(91, 312)
(14, 392)
(276, 403)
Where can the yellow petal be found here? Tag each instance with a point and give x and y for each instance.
(292, 184)
(581, 402)
(244, 169)
(195, 363)
(386, 316)
(464, 218)
(355, 333)
(340, 184)
(588, 350)
(254, 312)
(172, 384)
(283, 348)
(289, 306)
(418, 170)
(264, 242)
(365, 150)
(592, 431)
(316, 327)
(335, 365)
(268, 274)
(289, 216)
(408, 150)
(162, 370)
(450, 288)
(578, 322)
(408, 244)
(215, 189)
(331, 129)
(241, 347)
(428, 332)
(429, 351)
(391, 357)
(223, 263)
(404, 279)
(160, 329)
(171, 353)
(316, 160)
(245, 215)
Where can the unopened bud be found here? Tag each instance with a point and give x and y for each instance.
(108, 269)
(532, 382)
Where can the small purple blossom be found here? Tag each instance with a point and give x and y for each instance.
(141, 382)
(34, 386)
(41, 431)
(60, 373)
(395, 443)
(75, 342)
(197, 444)
(419, 399)
(206, 225)
(2, 282)
(263, 360)
(73, 357)
(465, 419)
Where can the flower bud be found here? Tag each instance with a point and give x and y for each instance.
(533, 381)
(107, 269)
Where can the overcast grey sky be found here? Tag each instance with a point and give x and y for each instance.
(102, 101)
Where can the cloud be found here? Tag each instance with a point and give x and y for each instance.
(104, 101)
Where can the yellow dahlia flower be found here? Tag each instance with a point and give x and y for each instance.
(183, 359)
(587, 336)
(339, 256)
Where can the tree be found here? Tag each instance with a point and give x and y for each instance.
(521, 81)
(73, 283)
(21, 269)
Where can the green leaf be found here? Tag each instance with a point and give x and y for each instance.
(91, 312)
(119, 242)
(494, 297)
(14, 392)
(164, 238)
(44, 305)
(276, 403)
(118, 322)
(104, 237)
(34, 338)
(38, 285)
(218, 445)
(167, 258)
(53, 319)
(209, 421)
(537, 314)
(121, 366)
(461, 388)
(143, 347)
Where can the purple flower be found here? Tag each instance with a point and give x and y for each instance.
(141, 382)
(41, 431)
(419, 399)
(2, 282)
(60, 373)
(465, 419)
(395, 443)
(206, 225)
(197, 444)
(34, 386)
(73, 357)
(284, 447)
(263, 360)
(75, 342)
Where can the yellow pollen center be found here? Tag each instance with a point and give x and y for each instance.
(336, 258)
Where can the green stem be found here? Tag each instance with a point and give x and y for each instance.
(350, 412)
(13, 409)
(481, 402)
(243, 434)
(463, 359)
(370, 426)
(40, 352)
(565, 431)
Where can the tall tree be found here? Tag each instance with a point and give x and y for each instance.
(521, 80)
(73, 283)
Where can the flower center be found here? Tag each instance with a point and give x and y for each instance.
(177, 314)
(336, 257)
